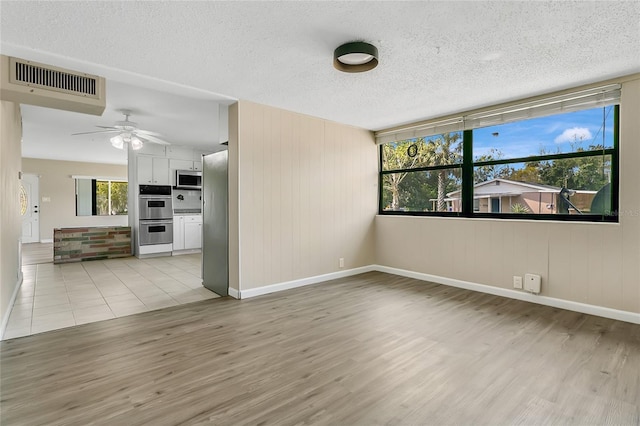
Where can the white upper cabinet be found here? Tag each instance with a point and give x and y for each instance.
(153, 170)
(180, 164)
(161, 171)
(145, 170)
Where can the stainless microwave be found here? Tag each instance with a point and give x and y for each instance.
(188, 179)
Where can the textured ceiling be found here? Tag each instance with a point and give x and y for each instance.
(435, 57)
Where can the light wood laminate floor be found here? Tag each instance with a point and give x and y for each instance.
(365, 350)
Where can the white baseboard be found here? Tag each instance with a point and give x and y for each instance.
(5, 319)
(584, 308)
(253, 292)
(46, 240)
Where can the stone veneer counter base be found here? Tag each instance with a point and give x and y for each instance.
(91, 243)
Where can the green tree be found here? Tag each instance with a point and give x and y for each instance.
(396, 157)
(529, 173)
(485, 173)
(585, 173)
(592, 173)
(114, 203)
(102, 198)
(420, 188)
(444, 150)
(119, 197)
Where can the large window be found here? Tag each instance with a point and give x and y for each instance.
(556, 166)
(101, 197)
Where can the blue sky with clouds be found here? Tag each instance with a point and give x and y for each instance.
(552, 134)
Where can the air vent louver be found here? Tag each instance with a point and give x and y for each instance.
(34, 75)
(45, 85)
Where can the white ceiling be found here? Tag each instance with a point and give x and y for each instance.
(435, 57)
(179, 119)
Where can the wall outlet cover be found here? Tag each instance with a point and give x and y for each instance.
(532, 283)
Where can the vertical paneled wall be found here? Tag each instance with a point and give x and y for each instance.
(593, 263)
(234, 232)
(307, 191)
(10, 225)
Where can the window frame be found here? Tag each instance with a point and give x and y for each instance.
(468, 165)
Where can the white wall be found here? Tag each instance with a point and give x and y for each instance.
(306, 196)
(10, 221)
(57, 184)
(592, 263)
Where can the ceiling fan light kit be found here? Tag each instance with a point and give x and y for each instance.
(128, 133)
(136, 143)
(117, 142)
(356, 56)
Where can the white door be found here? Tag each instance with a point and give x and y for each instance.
(30, 208)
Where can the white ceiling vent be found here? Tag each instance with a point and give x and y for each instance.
(32, 83)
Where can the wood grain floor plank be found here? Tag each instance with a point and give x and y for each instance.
(365, 350)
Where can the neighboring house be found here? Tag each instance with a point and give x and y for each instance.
(500, 195)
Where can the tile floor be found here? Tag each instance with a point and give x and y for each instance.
(58, 296)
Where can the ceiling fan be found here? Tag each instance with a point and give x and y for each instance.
(128, 133)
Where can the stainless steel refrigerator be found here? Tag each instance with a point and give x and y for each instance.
(215, 222)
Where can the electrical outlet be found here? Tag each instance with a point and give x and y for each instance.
(341, 262)
(517, 282)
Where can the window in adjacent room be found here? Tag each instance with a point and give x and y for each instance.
(101, 197)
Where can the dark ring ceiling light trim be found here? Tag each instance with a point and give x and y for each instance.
(356, 56)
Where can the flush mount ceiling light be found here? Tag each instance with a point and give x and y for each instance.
(356, 56)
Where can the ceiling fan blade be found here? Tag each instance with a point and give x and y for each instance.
(147, 132)
(108, 127)
(97, 131)
(153, 139)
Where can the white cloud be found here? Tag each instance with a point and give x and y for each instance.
(575, 134)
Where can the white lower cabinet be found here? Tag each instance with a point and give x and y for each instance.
(187, 232)
(178, 233)
(193, 234)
